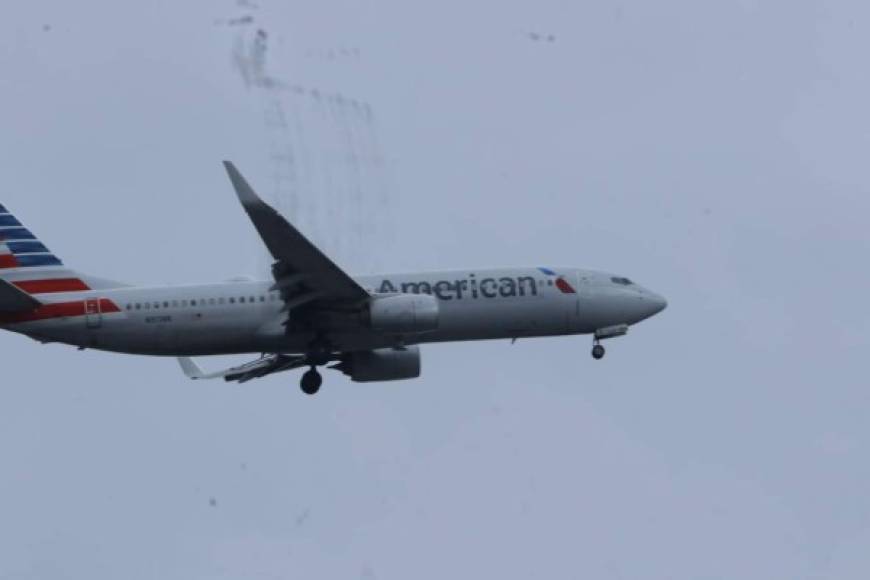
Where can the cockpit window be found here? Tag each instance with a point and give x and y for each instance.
(622, 281)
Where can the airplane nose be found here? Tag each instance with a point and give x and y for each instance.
(657, 302)
(627, 305)
(650, 304)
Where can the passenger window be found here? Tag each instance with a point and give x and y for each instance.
(193, 302)
(262, 298)
(232, 300)
(211, 301)
(138, 306)
(129, 307)
(166, 305)
(242, 300)
(252, 299)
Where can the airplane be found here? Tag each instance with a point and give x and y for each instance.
(311, 313)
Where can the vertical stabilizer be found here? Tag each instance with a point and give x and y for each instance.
(27, 264)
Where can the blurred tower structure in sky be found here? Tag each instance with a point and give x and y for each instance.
(328, 172)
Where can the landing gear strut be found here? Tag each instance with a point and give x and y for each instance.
(311, 381)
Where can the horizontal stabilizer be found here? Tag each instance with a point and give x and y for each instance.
(13, 299)
(193, 371)
(261, 367)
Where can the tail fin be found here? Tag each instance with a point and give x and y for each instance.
(26, 263)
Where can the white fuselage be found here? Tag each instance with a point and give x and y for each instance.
(247, 317)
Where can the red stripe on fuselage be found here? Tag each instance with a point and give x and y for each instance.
(108, 307)
(8, 261)
(49, 286)
(57, 310)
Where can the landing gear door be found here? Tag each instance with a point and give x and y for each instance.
(93, 315)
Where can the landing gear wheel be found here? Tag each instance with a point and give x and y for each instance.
(311, 382)
(598, 352)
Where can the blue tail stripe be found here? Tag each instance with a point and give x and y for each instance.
(9, 220)
(547, 271)
(16, 234)
(28, 251)
(28, 260)
(28, 247)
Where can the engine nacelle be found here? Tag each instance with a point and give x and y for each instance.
(383, 364)
(404, 313)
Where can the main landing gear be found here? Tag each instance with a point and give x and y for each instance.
(320, 353)
(311, 381)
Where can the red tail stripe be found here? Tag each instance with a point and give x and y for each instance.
(49, 286)
(8, 261)
(57, 310)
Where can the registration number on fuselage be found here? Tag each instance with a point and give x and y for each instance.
(157, 319)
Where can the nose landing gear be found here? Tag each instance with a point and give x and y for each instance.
(598, 351)
(311, 381)
(607, 332)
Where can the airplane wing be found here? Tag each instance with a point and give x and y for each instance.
(261, 367)
(13, 299)
(302, 272)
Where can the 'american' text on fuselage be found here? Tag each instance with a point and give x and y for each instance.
(468, 288)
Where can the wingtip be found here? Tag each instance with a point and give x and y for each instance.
(246, 193)
(232, 170)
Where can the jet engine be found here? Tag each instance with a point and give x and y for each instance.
(383, 364)
(404, 313)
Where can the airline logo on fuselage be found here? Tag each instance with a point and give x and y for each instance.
(470, 288)
(474, 289)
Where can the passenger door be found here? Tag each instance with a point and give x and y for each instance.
(93, 314)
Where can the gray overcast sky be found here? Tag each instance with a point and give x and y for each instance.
(713, 150)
